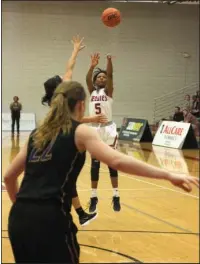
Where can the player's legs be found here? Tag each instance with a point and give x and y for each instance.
(94, 173)
(84, 218)
(114, 182)
(13, 124)
(18, 123)
(109, 136)
(33, 240)
(95, 166)
(111, 140)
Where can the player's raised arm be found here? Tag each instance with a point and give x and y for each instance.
(94, 62)
(78, 46)
(109, 70)
(87, 139)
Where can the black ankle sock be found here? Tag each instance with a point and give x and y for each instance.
(80, 211)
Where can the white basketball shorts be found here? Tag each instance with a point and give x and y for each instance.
(108, 133)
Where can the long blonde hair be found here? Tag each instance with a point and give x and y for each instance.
(64, 100)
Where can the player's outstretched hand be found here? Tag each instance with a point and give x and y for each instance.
(184, 182)
(95, 59)
(78, 43)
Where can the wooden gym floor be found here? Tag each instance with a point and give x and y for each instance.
(158, 223)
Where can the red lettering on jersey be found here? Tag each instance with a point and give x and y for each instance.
(99, 98)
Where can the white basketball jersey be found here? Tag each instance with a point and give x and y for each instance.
(100, 103)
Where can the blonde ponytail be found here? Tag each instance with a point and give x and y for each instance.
(59, 116)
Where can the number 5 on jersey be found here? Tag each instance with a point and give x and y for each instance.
(98, 108)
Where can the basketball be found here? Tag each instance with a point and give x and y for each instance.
(111, 17)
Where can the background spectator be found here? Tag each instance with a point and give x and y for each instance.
(195, 106)
(190, 118)
(15, 109)
(187, 102)
(178, 115)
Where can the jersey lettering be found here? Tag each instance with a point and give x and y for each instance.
(102, 98)
(100, 103)
(45, 155)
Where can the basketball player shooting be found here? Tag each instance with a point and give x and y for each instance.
(100, 86)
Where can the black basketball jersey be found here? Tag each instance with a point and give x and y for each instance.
(52, 173)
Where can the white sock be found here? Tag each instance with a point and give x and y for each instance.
(94, 193)
(115, 192)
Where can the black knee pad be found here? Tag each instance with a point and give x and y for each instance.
(113, 173)
(95, 170)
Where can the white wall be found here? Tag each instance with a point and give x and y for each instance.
(147, 45)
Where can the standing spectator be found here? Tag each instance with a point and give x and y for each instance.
(190, 118)
(15, 109)
(187, 102)
(178, 115)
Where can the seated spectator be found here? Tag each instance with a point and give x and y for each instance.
(187, 102)
(195, 106)
(178, 115)
(190, 118)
